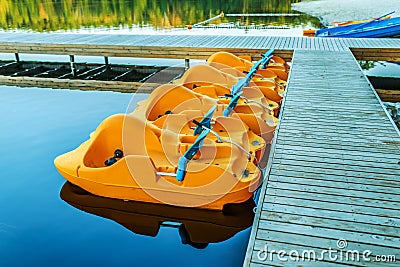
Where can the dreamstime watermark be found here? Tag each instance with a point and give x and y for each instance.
(340, 253)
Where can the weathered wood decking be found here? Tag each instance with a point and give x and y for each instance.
(190, 46)
(334, 174)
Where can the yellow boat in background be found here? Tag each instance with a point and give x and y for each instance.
(199, 142)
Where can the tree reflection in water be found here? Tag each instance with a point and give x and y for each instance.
(46, 15)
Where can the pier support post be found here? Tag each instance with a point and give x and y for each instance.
(72, 63)
(106, 61)
(187, 63)
(16, 57)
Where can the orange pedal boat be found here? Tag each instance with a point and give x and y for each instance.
(191, 146)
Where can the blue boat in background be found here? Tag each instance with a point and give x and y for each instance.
(371, 29)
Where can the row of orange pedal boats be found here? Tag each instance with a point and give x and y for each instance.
(201, 141)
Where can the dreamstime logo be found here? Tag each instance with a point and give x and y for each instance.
(330, 254)
(341, 243)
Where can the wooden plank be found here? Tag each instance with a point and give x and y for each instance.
(332, 206)
(332, 219)
(355, 201)
(318, 176)
(311, 109)
(335, 120)
(305, 258)
(330, 113)
(343, 147)
(372, 165)
(388, 95)
(385, 146)
(341, 90)
(115, 86)
(343, 183)
(275, 41)
(390, 243)
(303, 43)
(381, 143)
(308, 90)
(304, 122)
(267, 42)
(335, 45)
(278, 43)
(315, 129)
(260, 41)
(332, 191)
(310, 242)
(327, 45)
(298, 43)
(335, 153)
(328, 166)
(250, 43)
(338, 149)
(285, 44)
(302, 217)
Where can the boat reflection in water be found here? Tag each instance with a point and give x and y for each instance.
(197, 227)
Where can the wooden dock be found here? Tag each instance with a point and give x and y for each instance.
(333, 178)
(172, 46)
(190, 46)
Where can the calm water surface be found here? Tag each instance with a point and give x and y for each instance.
(381, 68)
(37, 228)
(128, 15)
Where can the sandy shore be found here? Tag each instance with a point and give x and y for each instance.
(343, 10)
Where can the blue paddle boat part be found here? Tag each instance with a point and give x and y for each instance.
(238, 86)
(206, 121)
(189, 154)
(232, 104)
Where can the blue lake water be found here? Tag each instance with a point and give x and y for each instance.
(38, 228)
(383, 69)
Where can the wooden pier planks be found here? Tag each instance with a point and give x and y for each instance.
(335, 170)
(189, 46)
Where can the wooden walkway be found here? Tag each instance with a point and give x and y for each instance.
(190, 46)
(334, 174)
